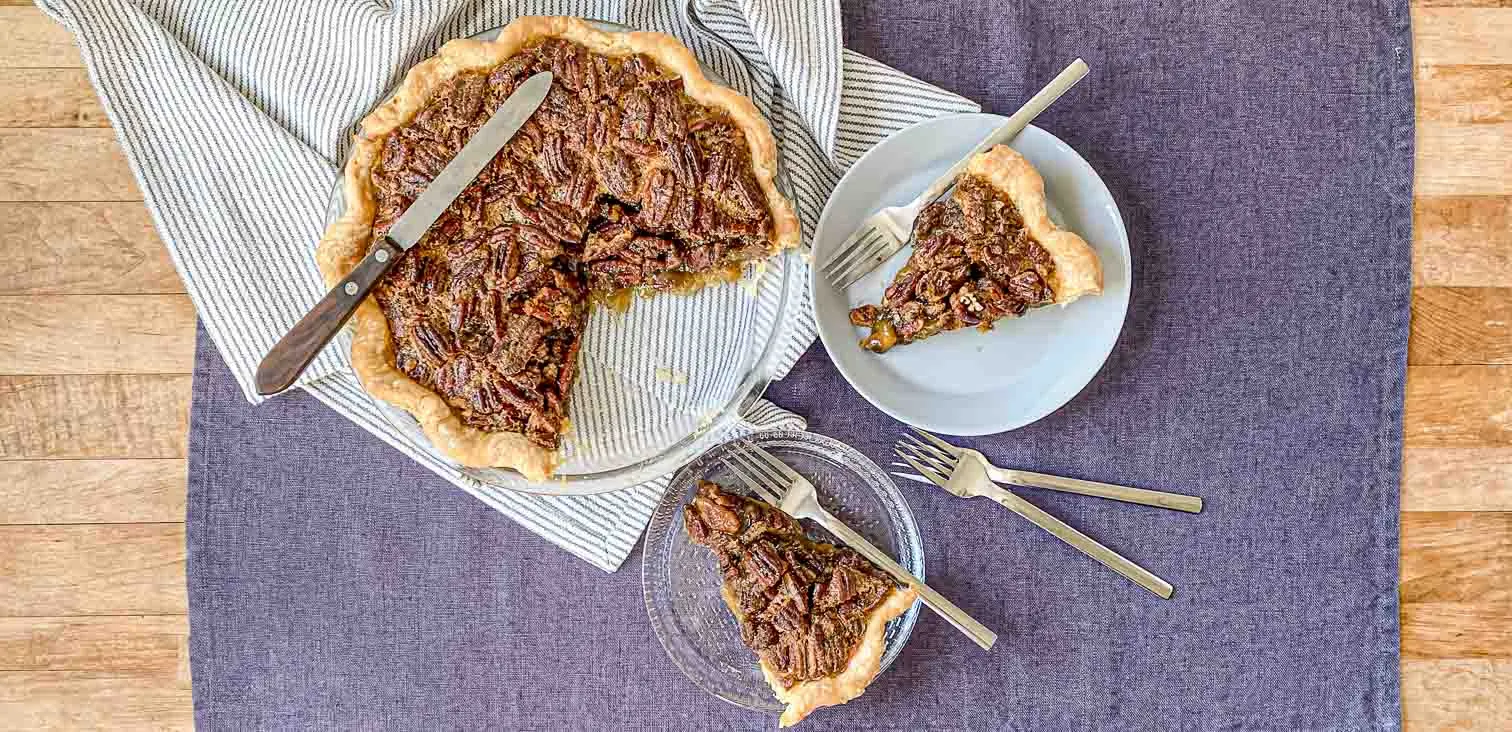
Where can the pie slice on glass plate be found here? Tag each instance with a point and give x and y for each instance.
(987, 252)
(637, 174)
(814, 613)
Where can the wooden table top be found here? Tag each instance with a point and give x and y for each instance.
(97, 339)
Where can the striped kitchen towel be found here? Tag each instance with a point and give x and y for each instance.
(235, 116)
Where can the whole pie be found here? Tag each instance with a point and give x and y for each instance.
(987, 252)
(813, 613)
(637, 174)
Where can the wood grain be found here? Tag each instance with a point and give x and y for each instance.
(1446, 36)
(92, 569)
(1463, 159)
(113, 416)
(145, 644)
(30, 39)
(1456, 557)
(91, 491)
(1456, 695)
(75, 700)
(1462, 241)
(96, 334)
(1458, 406)
(1461, 325)
(49, 98)
(83, 249)
(64, 165)
(1456, 479)
(1457, 630)
(1471, 94)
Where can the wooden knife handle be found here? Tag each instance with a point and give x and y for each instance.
(291, 355)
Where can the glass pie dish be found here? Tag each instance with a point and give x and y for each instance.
(681, 582)
(660, 382)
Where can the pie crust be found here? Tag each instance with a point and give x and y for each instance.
(807, 696)
(1077, 269)
(346, 240)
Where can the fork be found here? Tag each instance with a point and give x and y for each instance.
(781, 486)
(967, 477)
(885, 232)
(948, 452)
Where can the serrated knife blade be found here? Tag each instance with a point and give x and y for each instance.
(294, 352)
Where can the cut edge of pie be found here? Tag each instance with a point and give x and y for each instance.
(805, 697)
(346, 240)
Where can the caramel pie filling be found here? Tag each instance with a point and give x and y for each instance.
(620, 182)
(802, 605)
(973, 263)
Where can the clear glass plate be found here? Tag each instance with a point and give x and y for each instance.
(688, 386)
(681, 582)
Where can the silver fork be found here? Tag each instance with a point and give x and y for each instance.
(776, 483)
(967, 478)
(948, 452)
(885, 232)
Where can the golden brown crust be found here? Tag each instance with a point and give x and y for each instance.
(346, 240)
(1077, 269)
(805, 697)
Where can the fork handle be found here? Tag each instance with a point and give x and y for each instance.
(1010, 129)
(1159, 499)
(974, 630)
(1083, 543)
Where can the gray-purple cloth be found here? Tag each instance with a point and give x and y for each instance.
(1263, 159)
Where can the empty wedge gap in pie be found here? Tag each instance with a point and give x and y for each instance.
(637, 175)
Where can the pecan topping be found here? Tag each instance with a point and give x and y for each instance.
(974, 263)
(619, 180)
(802, 605)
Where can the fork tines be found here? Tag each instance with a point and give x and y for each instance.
(761, 471)
(851, 260)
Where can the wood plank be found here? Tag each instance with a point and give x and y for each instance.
(1459, 159)
(113, 416)
(1456, 630)
(92, 569)
(83, 249)
(146, 644)
(1459, 695)
(92, 491)
(30, 39)
(1456, 557)
(1444, 36)
(64, 165)
(93, 700)
(1473, 94)
(1462, 241)
(1457, 479)
(1458, 406)
(96, 334)
(1461, 325)
(49, 98)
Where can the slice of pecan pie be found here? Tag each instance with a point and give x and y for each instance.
(813, 613)
(987, 252)
(636, 174)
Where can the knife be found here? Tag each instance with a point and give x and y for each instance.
(293, 354)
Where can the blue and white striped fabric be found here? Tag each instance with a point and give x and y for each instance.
(235, 116)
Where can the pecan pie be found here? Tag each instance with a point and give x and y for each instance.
(636, 174)
(987, 252)
(813, 613)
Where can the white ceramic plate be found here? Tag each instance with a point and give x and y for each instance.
(967, 382)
